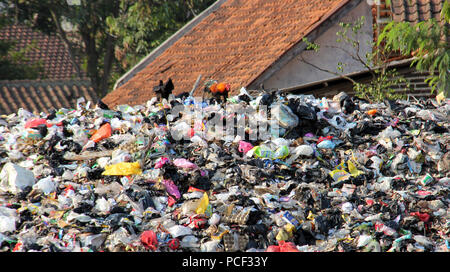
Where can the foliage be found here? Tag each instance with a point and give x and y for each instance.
(143, 25)
(380, 87)
(383, 79)
(14, 64)
(88, 40)
(427, 41)
(105, 37)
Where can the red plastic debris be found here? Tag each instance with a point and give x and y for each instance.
(321, 138)
(424, 217)
(171, 201)
(174, 244)
(283, 246)
(34, 122)
(149, 239)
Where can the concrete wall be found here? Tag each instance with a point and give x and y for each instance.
(296, 72)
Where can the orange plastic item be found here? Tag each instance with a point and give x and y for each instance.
(372, 112)
(102, 133)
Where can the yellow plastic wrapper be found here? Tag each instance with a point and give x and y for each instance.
(122, 169)
(219, 237)
(440, 97)
(282, 235)
(353, 170)
(311, 216)
(290, 229)
(339, 175)
(203, 205)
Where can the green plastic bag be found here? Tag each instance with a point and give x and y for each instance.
(281, 153)
(264, 152)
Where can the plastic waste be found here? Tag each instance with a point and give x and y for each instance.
(210, 246)
(7, 224)
(265, 152)
(214, 219)
(171, 188)
(282, 246)
(244, 147)
(123, 169)
(185, 164)
(331, 175)
(14, 178)
(8, 220)
(177, 231)
(149, 239)
(284, 115)
(327, 144)
(46, 185)
(203, 205)
(103, 132)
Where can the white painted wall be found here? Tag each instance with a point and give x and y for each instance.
(296, 72)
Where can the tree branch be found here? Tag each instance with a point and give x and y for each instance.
(356, 58)
(68, 45)
(107, 64)
(328, 71)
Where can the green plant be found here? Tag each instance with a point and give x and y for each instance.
(381, 86)
(427, 41)
(13, 63)
(383, 78)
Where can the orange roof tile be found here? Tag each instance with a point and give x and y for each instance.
(43, 95)
(236, 43)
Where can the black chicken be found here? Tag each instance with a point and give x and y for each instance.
(163, 90)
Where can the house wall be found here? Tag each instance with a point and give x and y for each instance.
(296, 72)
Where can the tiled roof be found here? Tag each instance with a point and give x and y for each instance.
(50, 50)
(235, 43)
(415, 11)
(43, 95)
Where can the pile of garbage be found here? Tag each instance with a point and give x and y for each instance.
(337, 174)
